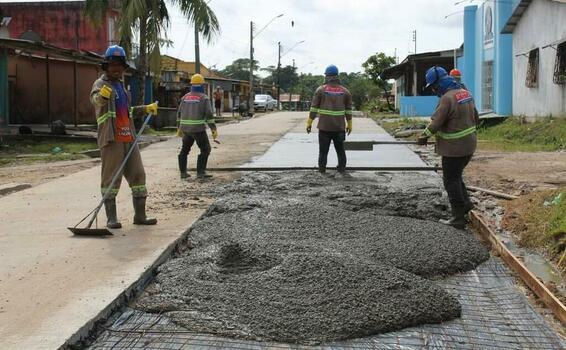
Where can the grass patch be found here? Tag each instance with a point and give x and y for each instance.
(27, 151)
(539, 219)
(514, 135)
(400, 124)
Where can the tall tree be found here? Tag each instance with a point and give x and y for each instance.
(374, 66)
(240, 69)
(150, 20)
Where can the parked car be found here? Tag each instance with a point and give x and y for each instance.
(264, 102)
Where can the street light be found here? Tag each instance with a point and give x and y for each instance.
(252, 36)
(279, 70)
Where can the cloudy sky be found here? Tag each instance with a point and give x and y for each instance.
(342, 32)
(345, 33)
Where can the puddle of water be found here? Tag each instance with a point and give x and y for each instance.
(535, 262)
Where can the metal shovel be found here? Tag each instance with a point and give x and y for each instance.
(88, 231)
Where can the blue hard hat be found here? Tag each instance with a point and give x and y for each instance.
(434, 74)
(331, 70)
(115, 51)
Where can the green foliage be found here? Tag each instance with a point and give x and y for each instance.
(307, 85)
(375, 65)
(240, 69)
(547, 134)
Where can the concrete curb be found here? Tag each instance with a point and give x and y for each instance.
(81, 338)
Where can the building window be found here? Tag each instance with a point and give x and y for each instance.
(532, 70)
(560, 65)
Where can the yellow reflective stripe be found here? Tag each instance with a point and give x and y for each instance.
(105, 117)
(193, 122)
(427, 132)
(348, 111)
(456, 135)
(138, 188)
(131, 111)
(315, 110)
(197, 121)
(112, 190)
(332, 113)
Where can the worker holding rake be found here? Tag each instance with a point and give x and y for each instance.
(116, 134)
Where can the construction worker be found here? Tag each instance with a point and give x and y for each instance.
(332, 103)
(195, 112)
(116, 134)
(454, 125)
(458, 77)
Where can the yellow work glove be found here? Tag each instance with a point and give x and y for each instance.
(179, 132)
(349, 127)
(214, 134)
(309, 125)
(151, 108)
(105, 92)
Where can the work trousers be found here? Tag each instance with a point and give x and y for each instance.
(201, 138)
(324, 140)
(112, 155)
(452, 171)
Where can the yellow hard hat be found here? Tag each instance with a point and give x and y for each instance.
(197, 79)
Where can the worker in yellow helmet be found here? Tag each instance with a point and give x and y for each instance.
(194, 113)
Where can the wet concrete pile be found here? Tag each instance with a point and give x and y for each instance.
(302, 258)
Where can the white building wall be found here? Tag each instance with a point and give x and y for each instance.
(543, 23)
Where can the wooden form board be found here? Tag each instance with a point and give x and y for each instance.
(534, 284)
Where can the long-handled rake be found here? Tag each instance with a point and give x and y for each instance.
(88, 231)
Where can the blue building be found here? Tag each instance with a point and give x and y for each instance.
(487, 62)
(411, 97)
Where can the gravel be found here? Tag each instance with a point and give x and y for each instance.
(303, 258)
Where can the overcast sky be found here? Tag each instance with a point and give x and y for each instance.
(341, 32)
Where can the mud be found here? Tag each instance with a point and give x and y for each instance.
(303, 258)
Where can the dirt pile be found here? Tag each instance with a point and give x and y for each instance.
(309, 259)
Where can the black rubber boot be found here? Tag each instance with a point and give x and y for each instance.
(458, 219)
(468, 205)
(140, 218)
(183, 166)
(201, 167)
(111, 216)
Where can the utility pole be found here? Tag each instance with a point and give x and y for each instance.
(279, 77)
(197, 52)
(415, 40)
(291, 86)
(251, 99)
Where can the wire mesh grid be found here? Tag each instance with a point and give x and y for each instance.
(495, 315)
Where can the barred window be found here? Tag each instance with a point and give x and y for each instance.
(532, 70)
(560, 65)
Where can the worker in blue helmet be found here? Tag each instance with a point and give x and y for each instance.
(453, 124)
(332, 104)
(116, 134)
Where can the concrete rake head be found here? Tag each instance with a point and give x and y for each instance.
(99, 232)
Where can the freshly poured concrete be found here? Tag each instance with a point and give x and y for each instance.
(299, 149)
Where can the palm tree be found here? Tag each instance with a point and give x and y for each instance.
(150, 19)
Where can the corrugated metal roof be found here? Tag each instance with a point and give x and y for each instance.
(41, 47)
(516, 16)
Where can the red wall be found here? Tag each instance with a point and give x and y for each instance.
(61, 24)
